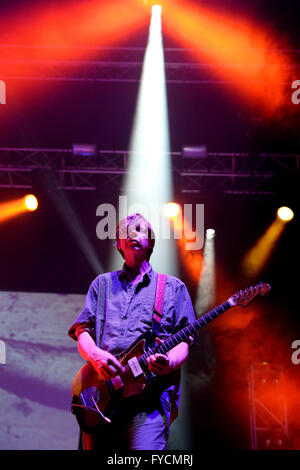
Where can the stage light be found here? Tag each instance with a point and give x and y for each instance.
(171, 210)
(235, 48)
(194, 152)
(259, 255)
(156, 10)
(285, 214)
(153, 3)
(18, 206)
(31, 202)
(65, 25)
(85, 150)
(210, 233)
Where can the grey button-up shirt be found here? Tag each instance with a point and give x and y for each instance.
(128, 311)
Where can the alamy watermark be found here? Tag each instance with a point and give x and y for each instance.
(2, 352)
(296, 95)
(187, 226)
(296, 354)
(2, 92)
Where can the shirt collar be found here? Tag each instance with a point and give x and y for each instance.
(123, 273)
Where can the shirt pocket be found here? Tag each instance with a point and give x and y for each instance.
(146, 315)
(139, 319)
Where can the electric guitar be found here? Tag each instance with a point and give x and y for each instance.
(95, 399)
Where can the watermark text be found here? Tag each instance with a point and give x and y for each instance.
(295, 358)
(296, 95)
(2, 92)
(2, 352)
(187, 226)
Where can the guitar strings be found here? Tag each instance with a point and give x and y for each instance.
(181, 335)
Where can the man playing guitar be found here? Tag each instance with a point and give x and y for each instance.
(130, 293)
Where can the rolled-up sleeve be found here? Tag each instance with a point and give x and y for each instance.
(178, 310)
(86, 319)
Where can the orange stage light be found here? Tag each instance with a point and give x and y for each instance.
(258, 256)
(18, 206)
(63, 27)
(243, 53)
(285, 214)
(171, 209)
(31, 202)
(152, 3)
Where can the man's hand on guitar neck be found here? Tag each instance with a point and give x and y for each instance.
(160, 364)
(164, 364)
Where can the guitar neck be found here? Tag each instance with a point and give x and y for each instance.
(189, 330)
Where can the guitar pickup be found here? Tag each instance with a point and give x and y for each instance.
(135, 366)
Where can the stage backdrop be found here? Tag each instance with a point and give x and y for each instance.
(40, 363)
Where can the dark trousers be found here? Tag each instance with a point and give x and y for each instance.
(133, 428)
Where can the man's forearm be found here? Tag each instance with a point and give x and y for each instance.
(90, 352)
(103, 361)
(86, 346)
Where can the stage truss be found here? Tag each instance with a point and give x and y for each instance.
(226, 173)
(112, 64)
(268, 409)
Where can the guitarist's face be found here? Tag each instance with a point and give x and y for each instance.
(136, 243)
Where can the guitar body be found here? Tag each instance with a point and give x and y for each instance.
(95, 399)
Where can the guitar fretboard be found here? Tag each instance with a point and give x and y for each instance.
(187, 331)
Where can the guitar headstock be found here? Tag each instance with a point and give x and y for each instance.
(244, 297)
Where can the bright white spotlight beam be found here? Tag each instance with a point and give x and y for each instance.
(156, 11)
(206, 291)
(148, 184)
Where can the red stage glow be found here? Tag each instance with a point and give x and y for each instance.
(244, 53)
(65, 26)
(252, 336)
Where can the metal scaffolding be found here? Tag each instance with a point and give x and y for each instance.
(268, 409)
(111, 64)
(225, 173)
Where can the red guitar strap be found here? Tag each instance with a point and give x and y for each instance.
(159, 300)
